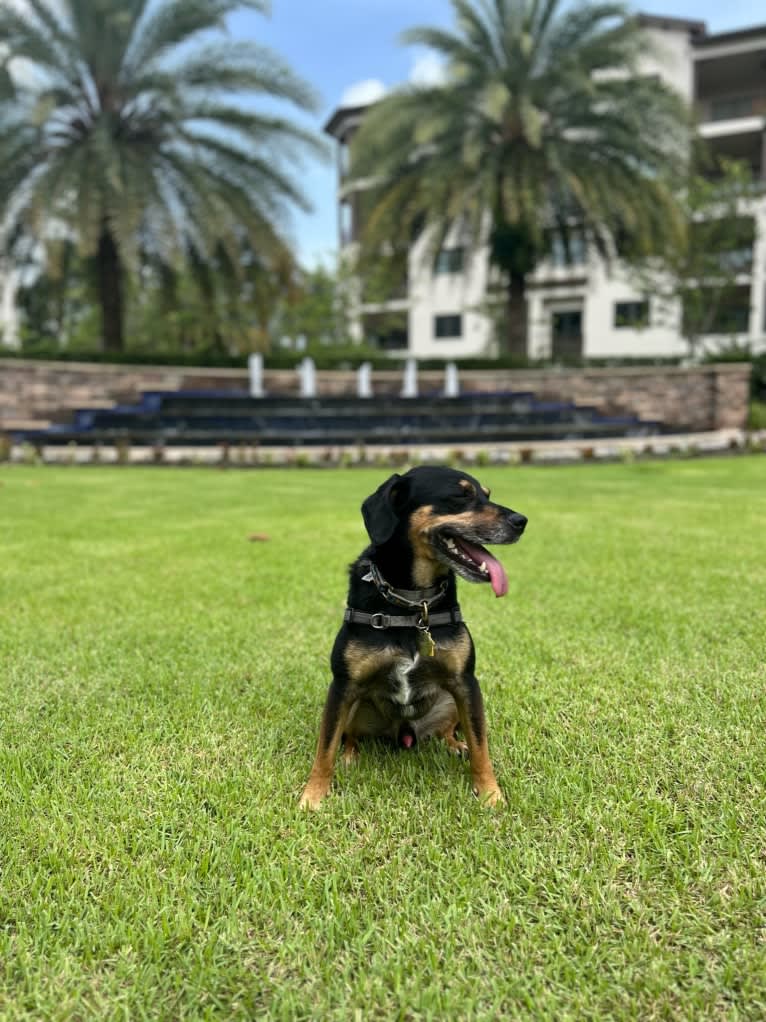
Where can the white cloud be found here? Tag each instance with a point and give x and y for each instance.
(362, 93)
(427, 69)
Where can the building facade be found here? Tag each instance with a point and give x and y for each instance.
(579, 307)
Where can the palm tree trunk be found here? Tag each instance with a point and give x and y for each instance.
(110, 291)
(516, 316)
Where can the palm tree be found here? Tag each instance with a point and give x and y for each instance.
(122, 127)
(531, 134)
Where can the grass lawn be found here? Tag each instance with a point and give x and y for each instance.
(161, 681)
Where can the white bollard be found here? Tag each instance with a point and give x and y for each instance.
(255, 368)
(410, 388)
(364, 380)
(308, 377)
(451, 381)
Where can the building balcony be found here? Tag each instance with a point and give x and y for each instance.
(549, 274)
(374, 293)
(729, 83)
(745, 146)
(391, 304)
(743, 126)
(735, 107)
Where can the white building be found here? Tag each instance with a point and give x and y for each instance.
(584, 308)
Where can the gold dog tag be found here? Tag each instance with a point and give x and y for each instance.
(427, 644)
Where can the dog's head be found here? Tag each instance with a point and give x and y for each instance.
(445, 516)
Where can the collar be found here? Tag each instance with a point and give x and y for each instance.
(405, 597)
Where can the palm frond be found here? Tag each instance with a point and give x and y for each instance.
(29, 39)
(528, 134)
(242, 67)
(132, 141)
(173, 24)
(258, 128)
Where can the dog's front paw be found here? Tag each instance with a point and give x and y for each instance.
(313, 794)
(491, 796)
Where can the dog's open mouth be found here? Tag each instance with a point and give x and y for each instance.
(472, 561)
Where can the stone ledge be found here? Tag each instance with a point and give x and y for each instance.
(549, 452)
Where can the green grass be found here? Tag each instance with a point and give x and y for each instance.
(161, 681)
(757, 417)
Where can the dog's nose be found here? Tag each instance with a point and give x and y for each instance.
(518, 522)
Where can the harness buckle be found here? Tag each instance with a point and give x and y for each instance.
(380, 621)
(422, 622)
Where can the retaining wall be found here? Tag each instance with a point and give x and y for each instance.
(705, 397)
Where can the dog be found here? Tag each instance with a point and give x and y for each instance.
(403, 660)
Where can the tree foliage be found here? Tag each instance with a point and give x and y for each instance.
(318, 308)
(123, 128)
(702, 274)
(542, 123)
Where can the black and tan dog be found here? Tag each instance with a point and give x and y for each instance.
(403, 661)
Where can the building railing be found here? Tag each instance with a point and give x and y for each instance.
(732, 107)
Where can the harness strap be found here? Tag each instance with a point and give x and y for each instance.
(404, 597)
(383, 621)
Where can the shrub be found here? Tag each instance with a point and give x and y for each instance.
(757, 417)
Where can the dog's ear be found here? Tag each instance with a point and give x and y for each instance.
(381, 509)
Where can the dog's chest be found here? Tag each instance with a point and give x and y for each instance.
(402, 680)
(410, 685)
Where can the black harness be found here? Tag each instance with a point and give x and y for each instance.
(423, 599)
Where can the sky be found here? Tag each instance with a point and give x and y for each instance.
(349, 50)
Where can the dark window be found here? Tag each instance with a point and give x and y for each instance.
(731, 317)
(711, 313)
(635, 314)
(344, 159)
(346, 223)
(569, 251)
(449, 260)
(387, 331)
(729, 243)
(448, 326)
(566, 335)
(727, 107)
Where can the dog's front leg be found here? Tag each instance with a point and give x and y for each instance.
(470, 708)
(334, 718)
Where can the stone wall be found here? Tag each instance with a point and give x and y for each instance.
(697, 398)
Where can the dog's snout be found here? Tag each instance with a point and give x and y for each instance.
(518, 522)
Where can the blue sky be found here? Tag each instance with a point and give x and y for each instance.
(339, 45)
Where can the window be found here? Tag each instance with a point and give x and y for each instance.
(346, 223)
(727, 244)
(566, 335)
(631, 314)
(448, 326)
(386, 330)
(449, 260)
(731, 317)
(727, 107)
(569, 252)
(709, 312)
(344, 159)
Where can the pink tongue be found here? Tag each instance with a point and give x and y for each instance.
(497, 576)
